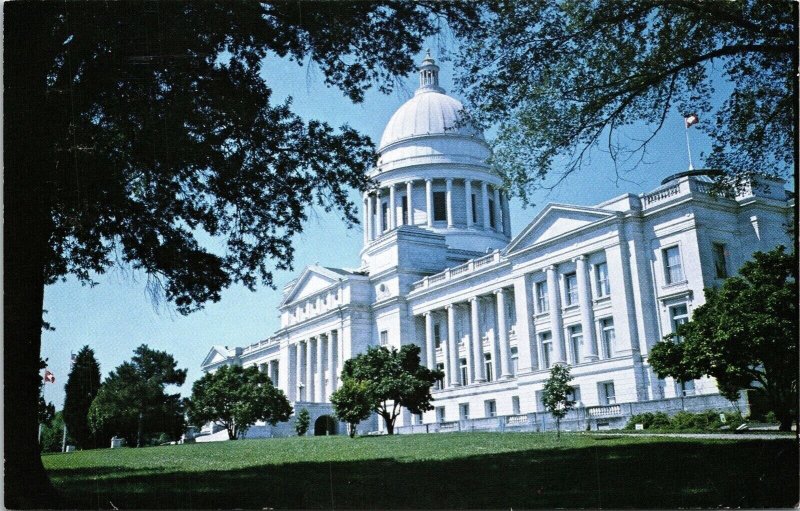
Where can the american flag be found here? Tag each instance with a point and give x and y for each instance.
(49, 377)
(691, 120)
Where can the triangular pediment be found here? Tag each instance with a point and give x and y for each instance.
(313, 279)
(216, 355)
(556, 221)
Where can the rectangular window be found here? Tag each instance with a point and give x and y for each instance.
(385, 215)
(514, 360)
(687, 388)
(574, 393)
(720, 263)
(540, 401)
(603, 286)
(673, 272)
(440, 414)
(404, 206)
(571, 288)
(474, 209)
(384, 338)
(439, 384)
(275, 374)
(547, 349)
(440, 206)
(492, 219)
(515, 405)
(491, 408)
(607, 336)
(607, 395)
(437, 335)
(678, 315)
(541, 297)
(575, 341)
(488, 364)
(464, 371)
(463, 411)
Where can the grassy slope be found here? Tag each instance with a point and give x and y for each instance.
(469, 470)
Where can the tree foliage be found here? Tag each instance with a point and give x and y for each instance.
(557, 392)
(133, 403)
(562, 77)
(352, 403)
(52, 437)
(235, 398)
(393, 380)
(302, 422)
(143, 133)
(82, 386)
(744, 335)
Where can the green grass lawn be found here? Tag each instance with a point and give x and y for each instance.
(457, 470)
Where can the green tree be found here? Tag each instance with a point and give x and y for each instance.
(132, 401)
(562, 77)
(394, 379)
(556, 394)
(82, 386)
(302, 422)
(52, 438)
(352, 403)
(134, 130)
(235, 398)
(744, 335)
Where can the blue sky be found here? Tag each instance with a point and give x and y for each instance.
(117, 315)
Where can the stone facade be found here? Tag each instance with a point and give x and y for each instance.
(594, 287)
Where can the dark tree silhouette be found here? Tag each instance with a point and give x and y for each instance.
(135, 129)
(560, 78)
(82, 386)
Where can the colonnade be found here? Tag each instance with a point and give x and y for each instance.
(474, 350)
(375, 224)
(311, 356)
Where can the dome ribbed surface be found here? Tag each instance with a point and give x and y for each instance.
(428, 113)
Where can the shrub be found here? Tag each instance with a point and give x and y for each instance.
(302, 422)
(686, 421)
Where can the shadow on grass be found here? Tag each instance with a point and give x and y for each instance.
(662, 474)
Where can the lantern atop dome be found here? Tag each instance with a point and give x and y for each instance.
(429, 75)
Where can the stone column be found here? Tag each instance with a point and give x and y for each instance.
(370, 225)
(430, 348)
(449, 184)
(502, 329)
(379, 208)
(587, 314)
(468, 196)
(498, 225)
(485, 205)
(554, 303)
(300, 359)
(331, 364)
(392, 208)
(526, 344)
(429, 201)
(409, 204)
(319, 384)
(506, 216)
(366, 219)
(309, 370)
(477, 340)
(452, 346)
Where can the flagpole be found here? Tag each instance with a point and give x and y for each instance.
(688, 147)
(64, 439)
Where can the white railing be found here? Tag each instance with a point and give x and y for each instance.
(461, 269)
(662, 194)
(516, 420)
(605, 411)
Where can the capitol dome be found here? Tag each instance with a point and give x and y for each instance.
(429, 112)
(432, 174)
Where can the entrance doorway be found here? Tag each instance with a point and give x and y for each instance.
(324, 425)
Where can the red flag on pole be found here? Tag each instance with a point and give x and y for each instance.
(691, 120)
(49, 377)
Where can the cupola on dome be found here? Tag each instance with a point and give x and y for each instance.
(429, 112)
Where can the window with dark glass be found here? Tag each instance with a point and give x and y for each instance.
(404, 205)
(575, 341)
(541, 297)
(487, 360)
(603, 286)
(439, 206)
(673, 272)
(492, 218)
(571, 285)
(720, 263)
(607, 337)
(437, 335)
(474, 209)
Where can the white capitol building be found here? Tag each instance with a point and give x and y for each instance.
(594, 287)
